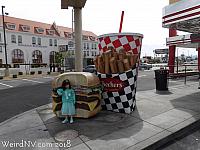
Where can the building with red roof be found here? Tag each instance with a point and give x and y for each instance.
(36, 42)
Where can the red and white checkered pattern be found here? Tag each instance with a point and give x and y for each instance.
(129, 42)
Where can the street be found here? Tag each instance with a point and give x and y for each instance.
(20, 95)
(191, 141)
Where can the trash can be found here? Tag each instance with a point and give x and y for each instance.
(161, 79)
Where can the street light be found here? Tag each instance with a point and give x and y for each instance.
(4, 33)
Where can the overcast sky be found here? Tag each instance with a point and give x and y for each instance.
(101, 17)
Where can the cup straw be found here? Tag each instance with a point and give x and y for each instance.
(121, 22)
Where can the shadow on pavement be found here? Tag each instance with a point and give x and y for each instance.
(97, 127)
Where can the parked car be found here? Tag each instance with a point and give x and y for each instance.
(145, 66)
(90, 68)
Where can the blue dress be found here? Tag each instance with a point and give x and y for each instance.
(68, 101)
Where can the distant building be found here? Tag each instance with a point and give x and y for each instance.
(146, 59)
(36, 43)
(161, 55)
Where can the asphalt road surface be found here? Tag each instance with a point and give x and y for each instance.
(187, 142)
(20, 95)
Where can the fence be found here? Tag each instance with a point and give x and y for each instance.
(185, 70)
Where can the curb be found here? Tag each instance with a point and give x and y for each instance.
(178, 134)
(27, 77)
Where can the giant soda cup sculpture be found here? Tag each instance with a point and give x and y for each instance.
(117, 70)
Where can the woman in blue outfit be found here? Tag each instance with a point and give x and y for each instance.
(68, 101)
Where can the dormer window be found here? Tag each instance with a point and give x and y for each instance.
(39, 30)
(92, 38)
(25, 28)
(70, 36)
(50, 32)
(10, 26)
(85, 37)
(66, 34)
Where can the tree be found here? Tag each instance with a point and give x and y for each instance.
(59, 59)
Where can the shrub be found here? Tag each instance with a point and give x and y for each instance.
(20, 73)
(14, 76)
(32, 72)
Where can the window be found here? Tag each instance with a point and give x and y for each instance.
(92, 46)
(69, 36)
(84, 46)
(88, 53)
(95, 53)
(19, 39)
(37, 56)
(95, 46)
(87, 45)
(70, 44)
(0, 37)
(33, 40)
(25, 28)
(72, 52)
(39, 41)
(13, 38)
(17, 56)
(92, 38)
(55, 42)
(85, 37)
(10, 26)
(92, 53)
(50, 32)
(39, 30)
(50, 42)
(52, 57)
(1, 49)
(84, 53)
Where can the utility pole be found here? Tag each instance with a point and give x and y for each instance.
(77, 6)
(4, 33)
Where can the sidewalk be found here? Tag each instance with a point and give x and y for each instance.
(158, 118)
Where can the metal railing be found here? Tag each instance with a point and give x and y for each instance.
(185, 70)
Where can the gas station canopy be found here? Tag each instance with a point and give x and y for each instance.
(187, 41)
(72, 3)
(183, 15)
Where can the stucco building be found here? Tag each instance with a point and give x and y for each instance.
(31, 42)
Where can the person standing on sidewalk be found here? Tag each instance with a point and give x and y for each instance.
(68, 101)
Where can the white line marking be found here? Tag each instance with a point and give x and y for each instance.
(48, 77)
(32, 81)
(142, 76)
(6, 85)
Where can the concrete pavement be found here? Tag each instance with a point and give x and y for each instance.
(158, 118)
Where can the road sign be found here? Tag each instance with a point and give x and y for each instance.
(162, 51)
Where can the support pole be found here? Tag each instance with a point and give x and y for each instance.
(199, 59)
(199, 65)
(78, 39)
(172, 51)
